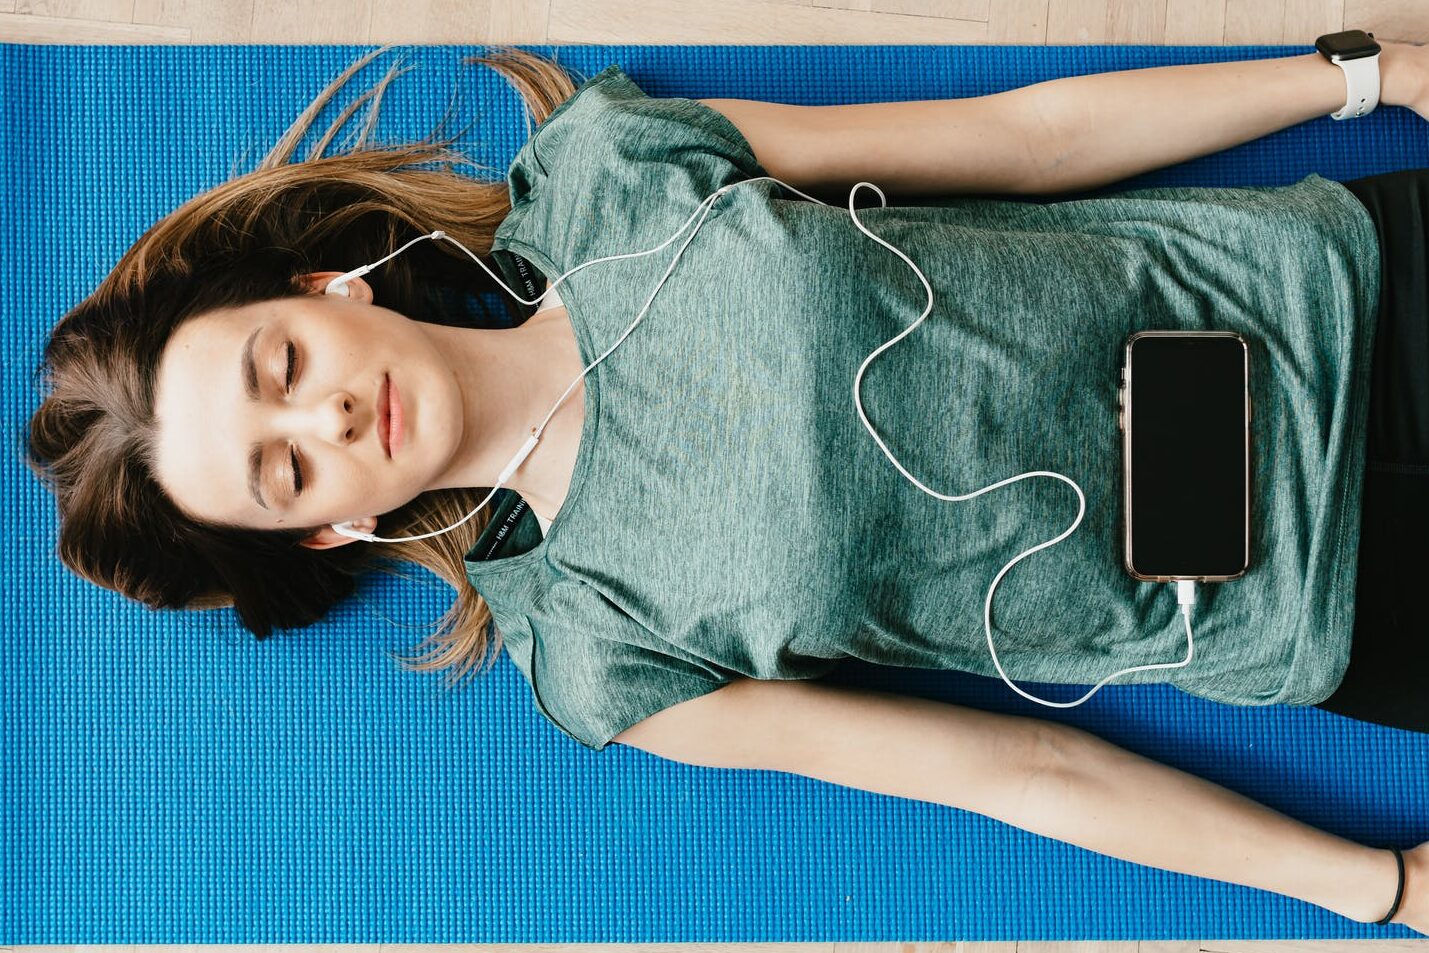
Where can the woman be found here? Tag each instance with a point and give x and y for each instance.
(215, 412)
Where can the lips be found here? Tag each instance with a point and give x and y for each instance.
(389, 417)
(394, 418)
(384, 417)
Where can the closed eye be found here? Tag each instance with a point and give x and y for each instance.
(293, 453)
(297, 473)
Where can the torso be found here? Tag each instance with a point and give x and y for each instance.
(567, 443)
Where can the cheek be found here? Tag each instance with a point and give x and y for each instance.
(353, 483)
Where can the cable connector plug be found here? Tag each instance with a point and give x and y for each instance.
(1186, 595)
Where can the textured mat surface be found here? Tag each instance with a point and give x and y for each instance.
(167, 779)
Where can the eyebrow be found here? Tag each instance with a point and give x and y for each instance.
(255, 450)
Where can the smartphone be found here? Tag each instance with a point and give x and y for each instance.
(1185, 423)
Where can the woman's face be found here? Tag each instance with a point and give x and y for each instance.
(228, 455)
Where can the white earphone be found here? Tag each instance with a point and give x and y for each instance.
(1185, 589)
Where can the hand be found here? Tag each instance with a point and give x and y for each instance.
(1404, 77)
(1414, 908)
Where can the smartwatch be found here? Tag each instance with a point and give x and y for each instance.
(1355, 52)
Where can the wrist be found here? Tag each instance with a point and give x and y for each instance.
(1323, 82)
(1377, 871)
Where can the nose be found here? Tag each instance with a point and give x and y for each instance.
(332, 419)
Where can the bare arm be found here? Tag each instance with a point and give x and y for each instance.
(1110, 800)
(1042, 776)
(1109, 126)
(1065, 134)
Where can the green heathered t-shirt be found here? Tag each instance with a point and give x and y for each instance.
(730, 516)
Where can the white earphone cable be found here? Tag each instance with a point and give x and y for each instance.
(1185, 588)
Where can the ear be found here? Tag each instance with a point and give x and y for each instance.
(327, 537)
(358, 290)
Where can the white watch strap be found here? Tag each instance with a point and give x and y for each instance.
(1361, 86)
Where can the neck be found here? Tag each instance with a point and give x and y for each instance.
(508, 380)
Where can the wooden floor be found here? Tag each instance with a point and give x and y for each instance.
(727, 21)
(700, 21)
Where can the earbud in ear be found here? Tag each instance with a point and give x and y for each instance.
(346, 529)
(338, 286)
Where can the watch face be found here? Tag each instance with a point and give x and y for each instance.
(1349, 45)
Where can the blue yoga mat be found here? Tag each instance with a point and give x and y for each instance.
(168, 779)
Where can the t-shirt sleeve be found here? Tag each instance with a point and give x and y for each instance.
(593, 679)
(610, 133)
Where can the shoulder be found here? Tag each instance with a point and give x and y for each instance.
(731, 726)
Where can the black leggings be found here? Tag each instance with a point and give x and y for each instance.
(1387, 681)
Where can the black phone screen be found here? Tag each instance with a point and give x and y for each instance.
(1186, 420)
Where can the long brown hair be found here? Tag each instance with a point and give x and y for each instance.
(92, 440)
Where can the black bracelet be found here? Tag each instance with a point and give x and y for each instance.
(1399, 894)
